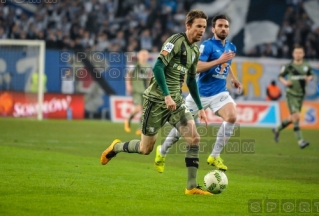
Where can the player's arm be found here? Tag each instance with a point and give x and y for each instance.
(284, 81)
(203, 66)
(193, 90)
(309, 78)
(234, 80)
(231, 74)
(282, 76)
(128, 81)
(169, 50)
(192, 86)
(159, 76)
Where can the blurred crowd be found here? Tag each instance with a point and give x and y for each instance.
(131, 25)
(98, 25)
(296, 29)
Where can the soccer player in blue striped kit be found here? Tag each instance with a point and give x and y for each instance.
(213, 68)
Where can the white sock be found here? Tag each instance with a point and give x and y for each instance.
(170, 140)
(223, 135)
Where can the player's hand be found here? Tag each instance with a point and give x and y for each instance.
(202, 116)
(288, 83)
(226, 56)
(129, 90)
(170, 104)
(308, 78)
(236, 85)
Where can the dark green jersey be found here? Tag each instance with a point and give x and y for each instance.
(180, 58)
(140, 77)
(296, 74)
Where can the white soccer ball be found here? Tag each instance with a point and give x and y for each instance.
(216, 181)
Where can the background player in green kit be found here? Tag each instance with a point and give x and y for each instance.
(164, 102)
(295, 76)
(137, 81)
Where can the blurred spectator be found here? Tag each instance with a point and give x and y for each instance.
(297, 29)
(2, 33)
(131, 25)
(102, 42)
(146, 40)
(34, 82)
(273, 91)
(67, 82)
(119, 40)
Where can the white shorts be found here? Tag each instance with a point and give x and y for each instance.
(213, 102)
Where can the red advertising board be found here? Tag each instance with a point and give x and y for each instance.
(121, 107)
(260, 114)
(308, 115)
(20, 104)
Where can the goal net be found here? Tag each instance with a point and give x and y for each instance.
(22, 79)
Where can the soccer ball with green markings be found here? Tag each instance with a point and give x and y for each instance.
(216, 181)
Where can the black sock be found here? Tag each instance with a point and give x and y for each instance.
(192, 162)
(283, 125)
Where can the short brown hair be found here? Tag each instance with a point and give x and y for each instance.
(297, 46)
(193, 14)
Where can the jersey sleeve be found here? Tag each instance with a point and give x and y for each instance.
(130, 71)
(193, 70)
(283, 71)
(170, 49)
(204, 52)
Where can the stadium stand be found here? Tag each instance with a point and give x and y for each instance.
(112, 25)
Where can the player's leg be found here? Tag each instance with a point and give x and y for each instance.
(163, 149)
(137, 108)
(192, 139)
(183, 120)
(173, 137)
(169, 141)
(139, 130)
(143, 146)
(296, 119)
(286, 122)
(224, 106)
(152, 118)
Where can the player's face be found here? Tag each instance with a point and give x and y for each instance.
(196, 30)
(298, 54)
(143, 56)
(221, 29)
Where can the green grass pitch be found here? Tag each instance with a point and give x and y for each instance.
(53, 168)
